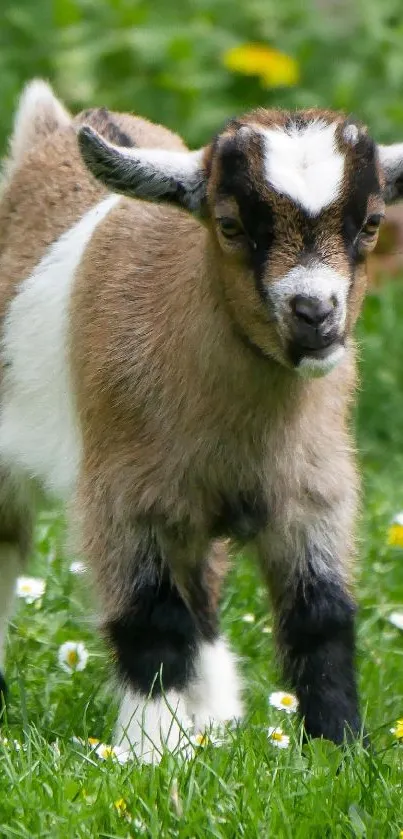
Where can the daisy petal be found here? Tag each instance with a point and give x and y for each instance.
(277, 738)
(73, 656)
(105, 752)
(30, 588)
(396, 618)
(284, 701)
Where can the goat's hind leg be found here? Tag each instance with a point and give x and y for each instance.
(16, 520)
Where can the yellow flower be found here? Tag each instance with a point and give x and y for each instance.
(201, 739)
(274, 68)
(211, 738)
(395, 534)
(398, 730)
(121, 806)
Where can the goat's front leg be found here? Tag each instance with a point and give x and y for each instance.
(159, 597)
(305, 563)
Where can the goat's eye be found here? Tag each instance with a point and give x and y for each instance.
(371, 226)
(231, 228)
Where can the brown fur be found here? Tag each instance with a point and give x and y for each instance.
(46, 179)
(137, 380)
(50, 182)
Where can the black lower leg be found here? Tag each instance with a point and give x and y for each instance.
(155, 639)
(317, 640)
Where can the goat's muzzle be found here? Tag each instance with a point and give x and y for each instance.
(315, 338)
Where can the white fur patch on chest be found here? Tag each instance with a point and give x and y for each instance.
(38, 427)
(305, 164)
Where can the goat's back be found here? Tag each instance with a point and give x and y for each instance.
(46, 187)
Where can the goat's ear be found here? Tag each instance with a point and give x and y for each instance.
(39, 114)
(391, 158)
(153, 174)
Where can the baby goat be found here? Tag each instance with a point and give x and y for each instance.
(182, 371)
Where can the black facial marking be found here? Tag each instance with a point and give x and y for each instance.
(317, 638)
(242, 517)
(364, 181)
(158, 632)
(256, 214)
(308, 228)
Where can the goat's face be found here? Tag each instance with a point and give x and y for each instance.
(293, 202)
(295, 205)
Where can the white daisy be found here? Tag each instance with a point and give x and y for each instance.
(118, 753)
(398, 519)
(207, 738)
(277, 738)
(267, 630)
(73, 656)
(77, 567)
(139, 825)
(397, 619)
(248, 618)
(30, 588)
(284, 701)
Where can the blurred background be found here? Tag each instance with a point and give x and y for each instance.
(175, 62)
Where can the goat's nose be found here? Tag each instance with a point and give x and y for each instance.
(312, 310)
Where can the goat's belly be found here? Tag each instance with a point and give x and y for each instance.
(39, 430)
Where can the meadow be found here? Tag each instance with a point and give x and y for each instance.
(191, 66)
(54, 783)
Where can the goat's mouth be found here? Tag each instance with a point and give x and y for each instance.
(315, 361)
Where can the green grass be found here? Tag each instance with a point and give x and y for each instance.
(245, 788)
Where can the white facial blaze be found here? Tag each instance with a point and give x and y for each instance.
(304, 164)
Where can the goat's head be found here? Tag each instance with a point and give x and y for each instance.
(293, 203)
